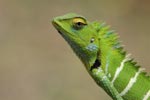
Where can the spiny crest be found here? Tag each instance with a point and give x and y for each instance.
(134, 63)
(112, 39)
(109, 35)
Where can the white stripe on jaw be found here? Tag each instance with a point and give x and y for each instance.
(131, 82)
(119, 69)
(147, 95)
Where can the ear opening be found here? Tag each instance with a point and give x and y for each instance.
(96, 64)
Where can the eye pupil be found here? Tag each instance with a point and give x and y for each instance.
(79, 23)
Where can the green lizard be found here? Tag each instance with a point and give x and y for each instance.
(104, 58)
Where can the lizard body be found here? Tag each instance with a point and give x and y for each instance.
(104, 58)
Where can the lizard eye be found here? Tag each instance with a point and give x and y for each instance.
(79, 23)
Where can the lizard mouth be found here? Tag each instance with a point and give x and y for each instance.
(57, 26)
(60, 32)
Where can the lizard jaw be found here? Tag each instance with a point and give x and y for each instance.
(60, 32)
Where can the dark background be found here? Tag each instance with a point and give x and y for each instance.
(37, 64)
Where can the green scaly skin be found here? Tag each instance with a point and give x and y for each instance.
(104, 58)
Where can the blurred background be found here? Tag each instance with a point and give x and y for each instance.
(37, 64)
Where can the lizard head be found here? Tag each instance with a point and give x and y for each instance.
(81, 36)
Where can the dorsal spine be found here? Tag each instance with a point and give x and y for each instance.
(125, 75)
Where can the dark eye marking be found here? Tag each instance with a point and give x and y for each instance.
(79, 23)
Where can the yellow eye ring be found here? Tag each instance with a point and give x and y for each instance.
(78, 22)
